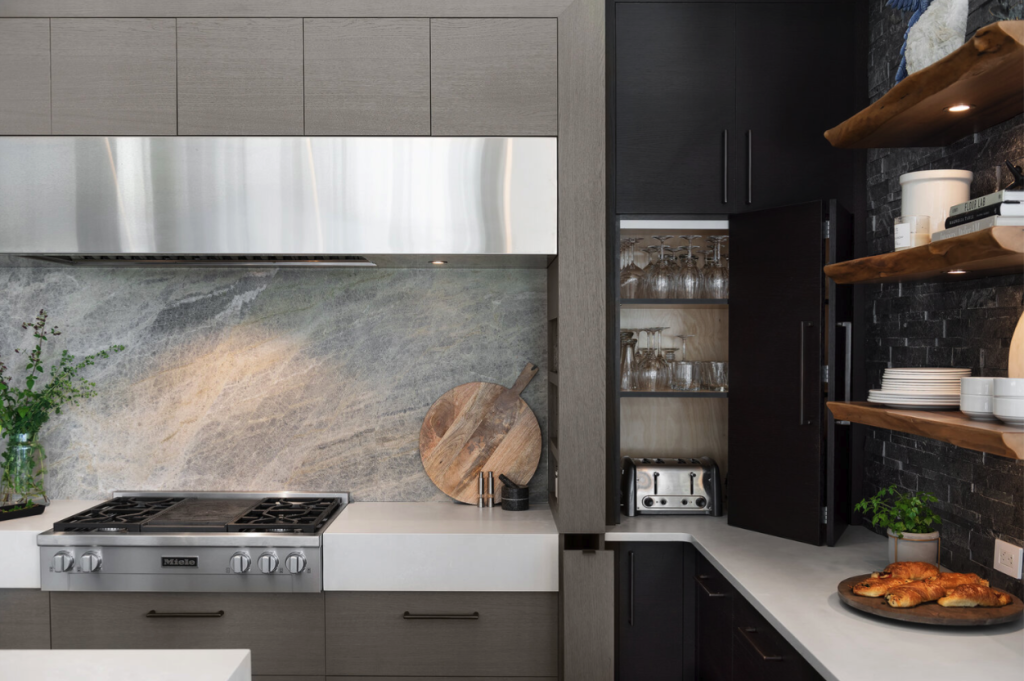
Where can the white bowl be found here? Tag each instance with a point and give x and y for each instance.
(977, 407)
(1009, 410)
(976, 386)
(1009, 387)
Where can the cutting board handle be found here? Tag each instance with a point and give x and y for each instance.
(524, 378)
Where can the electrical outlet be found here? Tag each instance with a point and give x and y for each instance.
(1008, 558)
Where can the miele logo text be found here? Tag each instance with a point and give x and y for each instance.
(176, 561)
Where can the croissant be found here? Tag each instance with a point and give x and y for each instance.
(875, 587)
(971, 595)
(914, 593)
(950, 580)
(909, 571)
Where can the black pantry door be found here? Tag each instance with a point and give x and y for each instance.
(776, 402)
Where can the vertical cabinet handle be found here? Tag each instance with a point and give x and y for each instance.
(750, 167)
(804, 421)
(725, 166)
(631, 582)
(848, 367)
(746, 632)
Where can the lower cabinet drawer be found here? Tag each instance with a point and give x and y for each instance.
(442, 634)
(285, 632)
(761, 653)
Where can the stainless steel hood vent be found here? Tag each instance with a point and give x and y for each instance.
(280, 201)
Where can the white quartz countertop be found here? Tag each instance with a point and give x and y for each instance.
(125, 665)
(399, 546)
(19, 555)
(793, 586)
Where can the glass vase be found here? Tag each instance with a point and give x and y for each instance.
(23, 472)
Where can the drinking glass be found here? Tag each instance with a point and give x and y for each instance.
(659, 275)
(631, 275)
(684, 376)
(718, 376)
(653, 367)
(628, 372)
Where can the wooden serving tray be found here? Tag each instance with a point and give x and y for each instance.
(930, 613)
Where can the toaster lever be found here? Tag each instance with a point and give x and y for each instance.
(656, 475)
(692, 477)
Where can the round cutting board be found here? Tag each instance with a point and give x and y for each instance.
(480, 427)
(930, 613)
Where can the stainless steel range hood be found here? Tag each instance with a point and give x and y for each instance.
(350, 201)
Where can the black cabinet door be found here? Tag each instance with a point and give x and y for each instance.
(776, 405)
(675, 104)
(839, 467)
(715, 598)
(794, 80)
(760, 651)
(650, 611)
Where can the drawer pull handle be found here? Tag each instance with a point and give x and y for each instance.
(154, 613)
(700, 580)
(746, 632)
(413, 616)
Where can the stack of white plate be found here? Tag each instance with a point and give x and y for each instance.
(920, 388)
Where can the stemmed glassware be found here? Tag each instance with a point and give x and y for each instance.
(653, 367)
(629, 369)
(631, 276)
(716, 277)
(690, 279)
(658, 276)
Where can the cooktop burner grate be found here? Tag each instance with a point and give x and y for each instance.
(124, 514)
(294, 515)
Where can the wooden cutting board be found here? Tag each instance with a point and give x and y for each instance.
(1016, 365)
(930, 613)
(480, 427)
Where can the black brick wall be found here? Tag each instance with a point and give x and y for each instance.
(964, 323)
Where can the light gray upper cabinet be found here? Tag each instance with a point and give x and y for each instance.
(24, 76)
(113, 76)
(367, 76)
(494, 76)
(240, 77)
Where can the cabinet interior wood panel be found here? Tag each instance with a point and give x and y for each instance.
(92, 620)
(113, 77)
(240, 77)
(24, 619)
(367, 76)
(24, 76)
(683, 427)
(494, 76)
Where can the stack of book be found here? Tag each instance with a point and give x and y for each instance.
(1003, 208)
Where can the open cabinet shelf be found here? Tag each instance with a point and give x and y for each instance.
(986, 73)
(673, 393)
(947, 426)
(996, 250)
(651, 303)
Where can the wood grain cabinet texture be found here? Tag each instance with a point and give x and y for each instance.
(24, 76)
(113, 76)
(515, 634)
(240, 77)
(92, 620)
(367, 76)
(494, 76)
(24, 619)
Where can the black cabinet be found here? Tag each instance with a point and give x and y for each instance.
(721, 107)
(715, 598)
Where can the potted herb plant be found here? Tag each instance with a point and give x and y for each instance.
(24, 410)
(908, 520)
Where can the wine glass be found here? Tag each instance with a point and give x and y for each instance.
(716, 280)
(649, 367)
(682, 344)
(690, 276)
(659, 275)
(631, 276)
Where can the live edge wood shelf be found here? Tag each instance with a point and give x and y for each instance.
(996, 250)
(947, 426)
(986, 72)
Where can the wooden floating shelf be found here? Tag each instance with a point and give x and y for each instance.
(673, 393)
(652, 303)
(996, 250)
(948, 426)
(986, 72)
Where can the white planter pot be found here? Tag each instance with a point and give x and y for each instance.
(933, 193)
(914, 547)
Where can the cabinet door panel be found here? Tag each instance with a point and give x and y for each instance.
(24, 76)
(24, 619)
(494, 76)
(650, 611)
(240, 77)
(367, 76)
(715, 598)
(114, 77)
(675, 72)
(794, 80)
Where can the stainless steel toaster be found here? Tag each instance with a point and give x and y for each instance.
(671, 486)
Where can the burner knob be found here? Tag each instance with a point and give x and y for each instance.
(240, 563)
(63, 561)
(296, 563)
(91, 561)
(268, 563)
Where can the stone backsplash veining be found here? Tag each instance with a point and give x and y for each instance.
(242, 379)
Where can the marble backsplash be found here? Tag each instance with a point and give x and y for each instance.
(302, 379)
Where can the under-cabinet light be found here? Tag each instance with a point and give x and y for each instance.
(438, 262)
(957, 272)
(959, 108)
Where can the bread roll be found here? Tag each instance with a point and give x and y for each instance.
(909, 571)
(914, 593)
(950, 580)
(876, 587)
(971, 595)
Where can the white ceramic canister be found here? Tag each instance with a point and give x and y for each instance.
(933, 193)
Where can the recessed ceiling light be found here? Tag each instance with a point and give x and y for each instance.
(957, 272)
(959, 108)
(438, 262)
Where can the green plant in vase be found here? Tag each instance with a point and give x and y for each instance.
(24, 410)
(908, 520)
